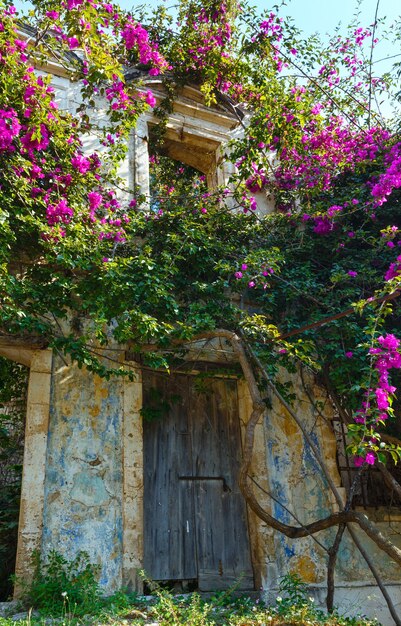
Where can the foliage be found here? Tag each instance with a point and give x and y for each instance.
(9, 512)
(294, 600)
(61, 586)
(87, 252)
(230, 608)
(234, 611)
(95, 264)
(80, 601)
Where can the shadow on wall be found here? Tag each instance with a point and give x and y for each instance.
(13, 392)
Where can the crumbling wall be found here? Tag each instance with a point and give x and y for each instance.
(83, 484)
(93, 481)
(295, 480)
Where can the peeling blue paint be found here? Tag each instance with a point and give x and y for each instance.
(289, 551)
(308, 456)
(83, 495)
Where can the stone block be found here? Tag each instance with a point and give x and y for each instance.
(39, 388)
(42, 361)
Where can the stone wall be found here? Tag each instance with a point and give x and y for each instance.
(295, 480)
(83, 484)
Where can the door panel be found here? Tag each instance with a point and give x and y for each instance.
(169, 537)
(195, 515)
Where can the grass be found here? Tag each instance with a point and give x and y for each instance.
(67, 593)
(222, 609)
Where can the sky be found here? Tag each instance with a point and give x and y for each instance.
(312, 16)
(316, 15)
(309, 15)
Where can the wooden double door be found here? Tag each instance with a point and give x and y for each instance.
(195, 518)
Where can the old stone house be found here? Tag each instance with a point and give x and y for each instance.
(163, 495)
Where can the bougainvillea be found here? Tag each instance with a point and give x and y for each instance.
(312, 143)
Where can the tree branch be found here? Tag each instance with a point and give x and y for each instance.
(333, 552)
(337, 316)
(376, 575)
(389, 479)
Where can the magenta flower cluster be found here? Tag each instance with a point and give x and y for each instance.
(390, 179)
(375, 408)
(212, 31)
(394, 270)
(30, 131)
(9, 129)
(135, 36)
(324, 152)
(388, 357)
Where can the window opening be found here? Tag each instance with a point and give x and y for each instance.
(173, 183)
(371, 490)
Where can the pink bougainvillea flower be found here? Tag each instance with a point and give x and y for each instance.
(74, 4)
(382, 399)
(72, 42)
(150, 99)
(323, 225)
(9, 128)
(40, 142)
(80, 163)
(389, 342)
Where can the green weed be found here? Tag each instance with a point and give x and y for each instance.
(69, 592)
(60, 586)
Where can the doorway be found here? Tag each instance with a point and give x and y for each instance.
(195, 518)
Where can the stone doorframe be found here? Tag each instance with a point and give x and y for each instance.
(132, 503)
(33, 473)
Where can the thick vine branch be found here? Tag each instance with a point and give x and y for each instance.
(333, 553)
(335, 519)
(389, 479)
(337, 316)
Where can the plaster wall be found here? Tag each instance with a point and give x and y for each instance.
(83, 483)
(296, 481)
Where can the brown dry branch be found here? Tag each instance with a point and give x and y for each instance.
(337, 316)
(389, 479)
(391, 483)
(337, 496)
(333, 553)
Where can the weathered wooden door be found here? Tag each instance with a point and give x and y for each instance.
(195, 525)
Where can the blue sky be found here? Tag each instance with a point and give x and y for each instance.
(315, 15)
(311, 16)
